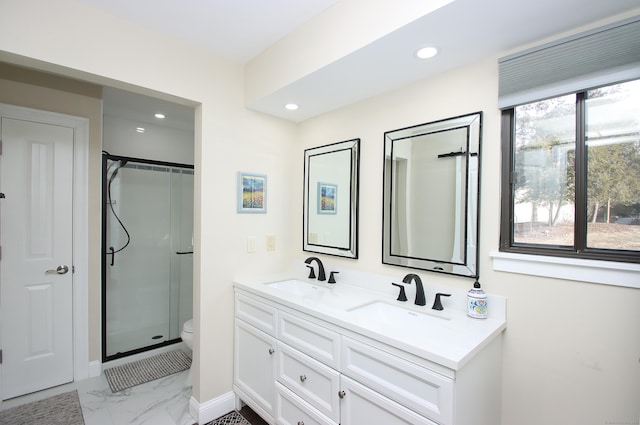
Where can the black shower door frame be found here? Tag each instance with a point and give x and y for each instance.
(106, 157)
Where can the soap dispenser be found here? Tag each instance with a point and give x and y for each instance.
(477, 302)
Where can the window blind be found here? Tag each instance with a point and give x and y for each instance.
(598, 57)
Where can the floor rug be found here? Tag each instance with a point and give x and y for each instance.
(62, 409)
(145, 370)
(233, 418)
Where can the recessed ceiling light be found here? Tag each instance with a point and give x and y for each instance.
(140, 130)
(159, 116)
(426, 52)
(291, 106)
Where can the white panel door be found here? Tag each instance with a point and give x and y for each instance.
(36, 172)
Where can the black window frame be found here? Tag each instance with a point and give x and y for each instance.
(579, 248)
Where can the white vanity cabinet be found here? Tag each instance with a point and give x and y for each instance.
(297, 369)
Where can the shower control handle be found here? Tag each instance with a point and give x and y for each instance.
(59, 270)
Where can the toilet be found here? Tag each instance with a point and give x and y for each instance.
(187, 333)
(187, 338)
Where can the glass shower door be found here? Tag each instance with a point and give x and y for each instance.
(147, 270)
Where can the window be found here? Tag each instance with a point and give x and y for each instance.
(571, 175)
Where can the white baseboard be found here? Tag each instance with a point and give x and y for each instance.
(95, 368)
(212, 409)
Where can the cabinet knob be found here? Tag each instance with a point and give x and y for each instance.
(300, 422)
(341, 394)
(271, 351)
(303, 378)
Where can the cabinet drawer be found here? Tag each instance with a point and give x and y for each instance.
(256, 313)
(361, 405)
(292, 410)
(316, 341)
(426, 392)
(311, 380)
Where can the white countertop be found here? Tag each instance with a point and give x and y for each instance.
(449, 337)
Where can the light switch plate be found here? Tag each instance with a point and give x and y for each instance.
(251, 244)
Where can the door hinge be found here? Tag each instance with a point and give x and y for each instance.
(0, 356)
(0, 146)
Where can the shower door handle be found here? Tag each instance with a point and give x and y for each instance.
(59, 270)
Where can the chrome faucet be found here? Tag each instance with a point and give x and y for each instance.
(419, 289)
(321, 275)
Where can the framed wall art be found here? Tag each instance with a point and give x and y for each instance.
(252, 193)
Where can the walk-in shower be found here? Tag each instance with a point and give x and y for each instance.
(147, 247)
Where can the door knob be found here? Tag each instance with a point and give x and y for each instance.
(59, 270)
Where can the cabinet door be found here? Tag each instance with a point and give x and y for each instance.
(254, 367)
(361, 405)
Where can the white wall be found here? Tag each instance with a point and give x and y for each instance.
(70, 37)
(571, 350)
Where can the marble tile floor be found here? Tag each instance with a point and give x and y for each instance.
(161, 402)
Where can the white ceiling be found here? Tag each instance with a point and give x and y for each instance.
(237, 30)
(464, 31)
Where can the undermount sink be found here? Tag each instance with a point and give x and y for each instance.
(313, 294)
(394, 314)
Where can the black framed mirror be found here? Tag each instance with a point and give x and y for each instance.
(331, 179)
(431, 196)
